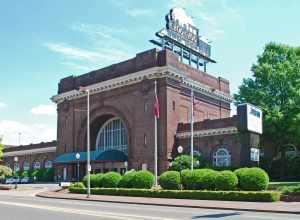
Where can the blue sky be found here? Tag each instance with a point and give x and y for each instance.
(44, 41)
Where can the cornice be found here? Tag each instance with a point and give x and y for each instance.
(208, 132)
(151, 73)
(28, 152)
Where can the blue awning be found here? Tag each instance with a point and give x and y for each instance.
(97, 156)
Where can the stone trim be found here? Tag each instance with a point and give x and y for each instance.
(208, 132)
(28, 152)
(151, 73)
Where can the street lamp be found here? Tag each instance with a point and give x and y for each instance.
(180, 149)
(126, 166)
(83, 89)
(15, 170)
(77, 158)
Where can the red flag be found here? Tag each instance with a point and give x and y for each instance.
(156, 106)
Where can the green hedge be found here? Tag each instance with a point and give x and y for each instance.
(170, 180)
(290, 190)
(252, 179)
(126, 181)
(226, 180)
(110, 180)
(143, 180)
(267, 196)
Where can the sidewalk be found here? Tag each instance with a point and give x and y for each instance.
(278, 207)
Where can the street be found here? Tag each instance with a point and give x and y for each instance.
(24, 205)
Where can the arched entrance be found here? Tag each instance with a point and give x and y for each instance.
(111, 141)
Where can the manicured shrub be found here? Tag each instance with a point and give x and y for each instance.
(143, 180)
(240, 171)
(78, 185)
(226, 180)
(198, 179)
(188, 179)
(170, 180)
(93, 180)
(98, 179)
(208, 180)
(127, 180)
(253, 179)
(267, 196)
(111, 180)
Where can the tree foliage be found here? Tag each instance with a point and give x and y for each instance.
(275, 87)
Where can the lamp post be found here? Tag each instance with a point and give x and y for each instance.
(83, 89)
(77, 159)
(126, 166)
(15, 170)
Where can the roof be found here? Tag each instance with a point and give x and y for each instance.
(100, 156)
(9, 148)
(208, 124)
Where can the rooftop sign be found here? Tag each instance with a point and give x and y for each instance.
(181, 32)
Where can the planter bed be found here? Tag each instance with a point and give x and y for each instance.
(249, 196)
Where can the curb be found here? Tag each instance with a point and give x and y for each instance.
(42, 195)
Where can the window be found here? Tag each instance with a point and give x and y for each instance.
(221, 158)
(26, 165)
(112, 136)
(173, 105)
(36, 165)
(197, 153)
(291, 151)
(48, 164)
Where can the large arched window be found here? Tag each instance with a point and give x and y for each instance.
(221, 158)
(26, 165)
(112, 136)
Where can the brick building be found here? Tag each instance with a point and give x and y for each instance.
(122, 120)
(29, 157)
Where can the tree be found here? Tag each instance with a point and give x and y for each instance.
(1, 149)
(183, 162)
(275, 87)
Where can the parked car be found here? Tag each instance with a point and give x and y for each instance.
(26, 180)
(13, 180)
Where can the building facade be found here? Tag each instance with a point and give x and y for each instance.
(30, 157)
(121, 112)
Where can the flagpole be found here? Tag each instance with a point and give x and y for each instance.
(192, 129)
(155, 139)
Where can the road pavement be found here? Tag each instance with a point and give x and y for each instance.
(22, 206)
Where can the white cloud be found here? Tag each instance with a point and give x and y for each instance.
(44, 110)
(107, 47)
(30, 133)
(2, 104)
(73, 52)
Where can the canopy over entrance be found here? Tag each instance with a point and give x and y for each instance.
(96, 156)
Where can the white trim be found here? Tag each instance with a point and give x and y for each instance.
(27, 152)
(151, 73)
(208, 132)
